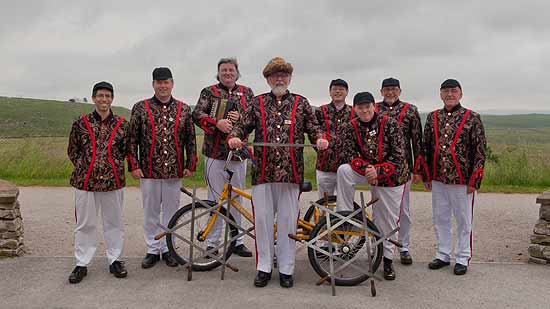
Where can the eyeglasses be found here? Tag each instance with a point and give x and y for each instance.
(450, 90)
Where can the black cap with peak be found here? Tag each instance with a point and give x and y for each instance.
(363, 97)
(103, 85)
(338, 82)
(450, 83)
(162, 73)
(389, 82)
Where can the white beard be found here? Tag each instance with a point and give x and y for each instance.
(279, 90)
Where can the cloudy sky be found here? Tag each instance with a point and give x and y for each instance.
(499, 50)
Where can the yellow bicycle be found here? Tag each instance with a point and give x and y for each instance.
(347, 240)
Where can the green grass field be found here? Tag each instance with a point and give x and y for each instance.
(519, 159)
(30, 117)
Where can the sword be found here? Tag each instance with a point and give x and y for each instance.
(281, 145)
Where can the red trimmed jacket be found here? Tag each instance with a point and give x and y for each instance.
(333, 123)
(408, 118)
(97, 149)
(455, 146)
(162, 139)
(273, 121)
(215, 141)
(380, 143)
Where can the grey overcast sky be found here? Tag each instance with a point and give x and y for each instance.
(499, 50)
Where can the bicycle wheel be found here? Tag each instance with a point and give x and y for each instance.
(346, 247)
(180, 249)
(308, 216)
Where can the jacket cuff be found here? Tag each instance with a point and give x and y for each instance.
(193, 164)
(475, 180)
(206, 123)
(359, 166)
(420, 167)
(132, 164)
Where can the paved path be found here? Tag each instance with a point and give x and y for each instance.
(498, 277)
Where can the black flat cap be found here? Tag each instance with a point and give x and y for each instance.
(103, 85)
(162, 73)
(389, 82)
(363, 97)
(450, 83)
(338, 82)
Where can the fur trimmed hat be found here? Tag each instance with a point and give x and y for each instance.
(277, 64)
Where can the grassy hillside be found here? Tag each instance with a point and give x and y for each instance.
(31, 117)
(519, 159)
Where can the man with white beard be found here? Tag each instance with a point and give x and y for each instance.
(277, 117)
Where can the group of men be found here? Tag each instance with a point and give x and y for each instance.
(381, 144)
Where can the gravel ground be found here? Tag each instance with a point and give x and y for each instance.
(502, 224)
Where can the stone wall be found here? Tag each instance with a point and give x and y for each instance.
(539, 249)
(11, 223)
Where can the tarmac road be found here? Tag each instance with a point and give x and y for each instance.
(498, 277)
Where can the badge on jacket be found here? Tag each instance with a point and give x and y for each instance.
(372, 133)
(288, 121)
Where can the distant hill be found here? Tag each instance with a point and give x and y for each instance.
(21, 117)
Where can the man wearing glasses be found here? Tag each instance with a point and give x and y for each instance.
(455, 146)
(277, 117)
(408, 118)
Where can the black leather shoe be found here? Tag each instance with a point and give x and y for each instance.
(150, 260)
(286, 281)
(406, 258)
(437, 264)
(389, 272)
(118, 270)
(169, 259)
(460, 269)
(78, 274)
(242, 250)
(262, 278)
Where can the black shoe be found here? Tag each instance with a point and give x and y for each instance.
(437, 264)
(406, 258)
(262, 278)
(286, 281)
(150, 260)
(389, 272)
(214, 253)
(78, 274)
(460, 269)
(118, 270)
(169, 260)
(242, 250)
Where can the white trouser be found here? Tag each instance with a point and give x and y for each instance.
(216, 178)
(385, 212)
(326, 182)
(404, 222)
(87, 207)
(158, 195)
(347, 178)
(267, 200)
(449, 200)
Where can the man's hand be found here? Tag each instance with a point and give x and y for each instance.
(137, 174)
(322, 144)
(371, 174)
(428, 185)
(224, 125)
(187, 173)
(233, 116)
(417, 178)
(470, 190)
(235, 143)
